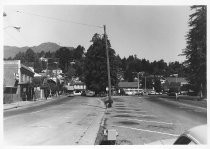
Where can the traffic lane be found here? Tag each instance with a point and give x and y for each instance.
(36, 107)
(196, 116)
(64, 124)
(141, 121)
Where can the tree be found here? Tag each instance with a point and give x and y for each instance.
(157, 85)
(78, 53)
(65, 56)
(95, 66)
(20, 56)
(195, 50)
(30, 55)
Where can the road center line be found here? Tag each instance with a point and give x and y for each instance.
(163, 133)
(145, 120)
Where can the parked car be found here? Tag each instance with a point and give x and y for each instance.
(90, 93)
(193, 136)
(172, 94)
(172, 91)
(152, 92)
(139, 93)
(183, 92)
(192, 93)
(77, 93)
(129, 93)
(158, 93)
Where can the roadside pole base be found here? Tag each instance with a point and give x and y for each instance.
(108, 142)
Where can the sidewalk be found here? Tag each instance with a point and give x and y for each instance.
(21, 104)
(187, 100)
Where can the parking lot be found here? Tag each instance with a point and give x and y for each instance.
(145, 119)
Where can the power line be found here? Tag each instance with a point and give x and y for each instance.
(57, 19)
(13, 37)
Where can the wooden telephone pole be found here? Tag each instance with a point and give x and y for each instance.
(108, 66)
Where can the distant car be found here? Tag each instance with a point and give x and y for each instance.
(90, 93)
(192, 93)
(194, 136)
(77, 93)
(129, 93)
(152, 93)
(183, 92)
(173, 91)
(139, 93)
(158, 93)
(172, 94)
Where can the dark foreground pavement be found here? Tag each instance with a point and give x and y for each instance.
(142, 120)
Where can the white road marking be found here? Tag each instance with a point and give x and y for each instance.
(163, 133)
(145, 121)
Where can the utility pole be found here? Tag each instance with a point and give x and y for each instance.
(138, 82)
(108, 66)
(145, 83)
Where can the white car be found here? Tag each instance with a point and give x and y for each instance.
(129, 93)
(77, 92)
(152, 93)
(193, 136)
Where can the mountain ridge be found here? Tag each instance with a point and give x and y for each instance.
(11, 51)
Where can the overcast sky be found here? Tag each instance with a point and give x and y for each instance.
(151, 32)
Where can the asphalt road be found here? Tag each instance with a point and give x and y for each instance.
(145, 119)
(67, 121)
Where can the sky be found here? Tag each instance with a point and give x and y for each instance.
(150, 32)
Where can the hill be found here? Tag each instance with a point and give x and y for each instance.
(11, 51)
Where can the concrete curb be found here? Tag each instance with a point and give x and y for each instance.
(35, 103)
(92, 131)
